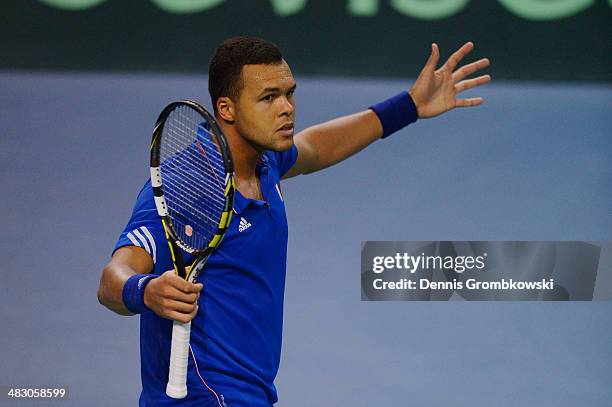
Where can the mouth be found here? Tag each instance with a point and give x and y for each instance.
(286, 129)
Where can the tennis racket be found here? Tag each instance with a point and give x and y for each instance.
(192, 175)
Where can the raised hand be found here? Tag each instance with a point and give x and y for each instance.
(435, 90)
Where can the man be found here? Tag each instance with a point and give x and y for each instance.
(237, 302)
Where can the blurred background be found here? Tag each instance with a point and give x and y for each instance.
(82, 82)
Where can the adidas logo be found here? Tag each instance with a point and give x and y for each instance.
(244, 225)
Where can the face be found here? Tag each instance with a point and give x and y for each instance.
(265, 109)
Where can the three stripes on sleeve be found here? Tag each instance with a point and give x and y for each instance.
(141, 237)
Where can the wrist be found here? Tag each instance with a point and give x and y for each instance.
(416, 104)
(134, 292)
(396, 113)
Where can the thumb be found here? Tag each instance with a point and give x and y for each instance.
(434, 57)
(175, 281)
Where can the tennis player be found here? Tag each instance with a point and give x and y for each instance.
(236, 305)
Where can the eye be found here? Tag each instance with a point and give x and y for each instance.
(291, 92)
(267, 98)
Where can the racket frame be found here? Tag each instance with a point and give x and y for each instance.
(160, 202)
(179, 352)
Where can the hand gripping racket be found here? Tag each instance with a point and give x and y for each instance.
(192, 175)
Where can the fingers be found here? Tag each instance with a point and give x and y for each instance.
(471, 83)
(172, 297)
(434, 57)
(174, 294)
(469, 69)
(178, 309)
(178, 289)
(171, 279)
(180, 316)
(457, 56)
(193, 288)
(179, 306)
(469, 102)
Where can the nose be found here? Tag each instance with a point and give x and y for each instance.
(287, 107)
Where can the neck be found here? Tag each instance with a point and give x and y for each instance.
(245, 154)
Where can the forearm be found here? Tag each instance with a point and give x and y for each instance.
(328, 143)
(110, 291)
(340, 138)
(126, 262)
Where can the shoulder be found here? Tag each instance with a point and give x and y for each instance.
(144, 228)
(282, 160)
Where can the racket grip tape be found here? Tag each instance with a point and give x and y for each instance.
(179, 358)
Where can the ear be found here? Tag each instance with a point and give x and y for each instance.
(226, 109)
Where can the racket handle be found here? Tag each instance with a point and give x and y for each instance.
(179, 357)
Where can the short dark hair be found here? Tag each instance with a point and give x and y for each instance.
(225, 70)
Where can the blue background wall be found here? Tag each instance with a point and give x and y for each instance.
(533, 163)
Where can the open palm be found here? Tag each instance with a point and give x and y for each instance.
(435, 90)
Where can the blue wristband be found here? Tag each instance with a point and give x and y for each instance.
(133, 292)
(395, 113)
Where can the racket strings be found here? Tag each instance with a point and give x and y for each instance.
(190, 159)
(208, 140)
(217, 159)
(191, 167)
(192, 179)
(206, 156)
(194, 213)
